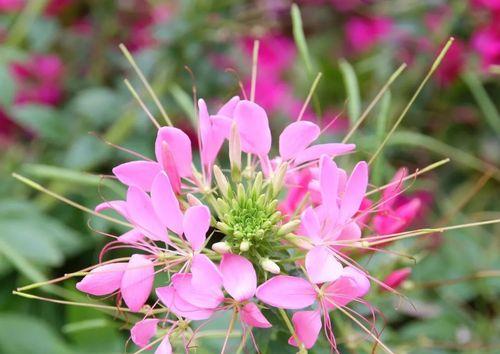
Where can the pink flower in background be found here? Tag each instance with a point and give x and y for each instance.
(346, 5)
(452, 66)
(38, 80)
(393, 216)
(11, 5)
(363, 33)
(55, 7)
(396, 278)
(493, 5)
(486, 41)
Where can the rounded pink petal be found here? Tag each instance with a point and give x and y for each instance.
(296, 137)
(211, 136)
(103, 280)
(205, 273)
(137, 173)
(238, 276)
(329, 184)
(196, 224)
(228, 108)
(397, 277)
(307, 326)
(322, 266)
(315, 152)
(251, 315)
(253, 126)
(143, 331)
(287, 292)
(137, 281)
(165, 347)
(206, 298)
(142, 214)
(310, 225)
(169, 297)
(165, 203)
(354, 191)
(180, 146)
(351, 285)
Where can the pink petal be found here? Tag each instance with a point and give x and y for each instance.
(228, 108)
(165, 347)
(142, 214)
(397, 277)
(143, 331)
(354, 191)
(307, 326)
(296, 137)
(350, 231)
(196, 224)
(131, 236)
(315, 152)
(253, 126)
(205, 273)
(211, 135)
(287, 292)
(206, 298)
(238, 276)
(351, 285)
(329, 184)
(103, 280)
(180, 146)
(322, 266)
(251, 315)
(390, 192)
(137, 281)
(178, 306)
(137, 173)
(119, 206)
(310, 225)
(165, 203)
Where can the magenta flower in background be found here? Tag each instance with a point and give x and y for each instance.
(363, 33)
(486, 41)
(11, 5)
(452, 67)
(39, 80)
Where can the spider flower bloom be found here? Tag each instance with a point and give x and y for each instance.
(261, 210)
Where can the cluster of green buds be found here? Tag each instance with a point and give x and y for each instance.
(246, 211)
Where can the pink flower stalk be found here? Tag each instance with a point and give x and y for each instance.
(328, 290)
(38, 80)
(363, 33)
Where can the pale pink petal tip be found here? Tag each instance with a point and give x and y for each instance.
(238, 276)
(252, 316)
(103, 280)
(143, 331)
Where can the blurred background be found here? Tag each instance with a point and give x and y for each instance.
(63, 103)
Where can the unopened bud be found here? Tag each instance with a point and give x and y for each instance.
(235, 152)
(223, 227)
(279, 178)
(257, 184)
(193, 201)
(269, 266)
(288, 227)
(221, 180)
(298, 241)
(245, 246)
(221, 247)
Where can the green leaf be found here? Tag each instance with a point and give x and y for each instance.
(300, 39)
(21, 334)
(7, 88)
(43, 120)
(99, 105)
(352, 89)
(85, 153)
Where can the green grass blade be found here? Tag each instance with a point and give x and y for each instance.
(352, 89)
